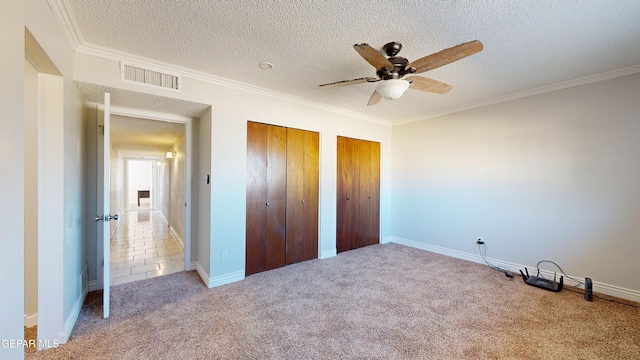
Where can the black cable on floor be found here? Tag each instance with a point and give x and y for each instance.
(506, 272)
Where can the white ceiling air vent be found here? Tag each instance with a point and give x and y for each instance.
(146, 75)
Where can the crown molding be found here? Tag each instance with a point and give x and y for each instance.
(109, 54)
(114, 55)
(63, 13)
(541, 90)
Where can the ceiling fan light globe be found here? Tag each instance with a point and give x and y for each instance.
(392, 89)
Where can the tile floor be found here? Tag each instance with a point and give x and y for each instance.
(143, 247)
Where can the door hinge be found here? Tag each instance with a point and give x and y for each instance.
(101, 129)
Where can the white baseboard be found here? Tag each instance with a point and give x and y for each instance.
(172, 230)
(226, 279)
(194, 266)
(212, 282)
(70, 322)
(328, 253)
(177, 237)
(164, 219)
(599, 287)
(93, 285)
(204, 275)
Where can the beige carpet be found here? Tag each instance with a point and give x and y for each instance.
(380, 302)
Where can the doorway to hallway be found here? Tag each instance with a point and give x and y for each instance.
(148, 190)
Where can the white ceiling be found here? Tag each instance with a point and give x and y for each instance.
(530, 46)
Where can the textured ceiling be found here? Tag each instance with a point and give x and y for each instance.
(528, 44)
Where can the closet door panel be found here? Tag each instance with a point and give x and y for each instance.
(374, 214)
(358, 189)
(295, 195)
(311, 194)
(364, 200)
(256, 198)
(302, 195)
(348, 195)
(341, 195)
(276, 196)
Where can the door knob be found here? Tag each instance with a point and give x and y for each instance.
(106, 218)
(303, 201)
(267, 204)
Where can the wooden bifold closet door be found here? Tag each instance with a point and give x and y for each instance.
(302, 195)
(358, 194)
(282, 196)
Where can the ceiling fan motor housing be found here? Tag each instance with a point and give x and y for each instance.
(399, 65)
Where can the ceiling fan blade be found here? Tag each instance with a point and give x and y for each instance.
(446, 56)
(375, 97)
(373, 56)
(428, 85)
(351, 82)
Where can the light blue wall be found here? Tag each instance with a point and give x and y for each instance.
(553, 176)
(201, 214)
(231, 108)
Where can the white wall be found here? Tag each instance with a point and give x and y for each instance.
(138, 178)
(31, 195)
(51, 220)
(164, 184)
(65, 265)
(177, 187)
(62, 260)
(554, 176)
(12, 179)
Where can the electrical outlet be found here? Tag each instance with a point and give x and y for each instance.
(479, 241)
(225, 255)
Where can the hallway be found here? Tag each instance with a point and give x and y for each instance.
(143, 247)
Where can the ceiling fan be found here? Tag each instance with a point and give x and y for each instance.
(391, 69)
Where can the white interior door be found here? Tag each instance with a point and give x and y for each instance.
(103, 215)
